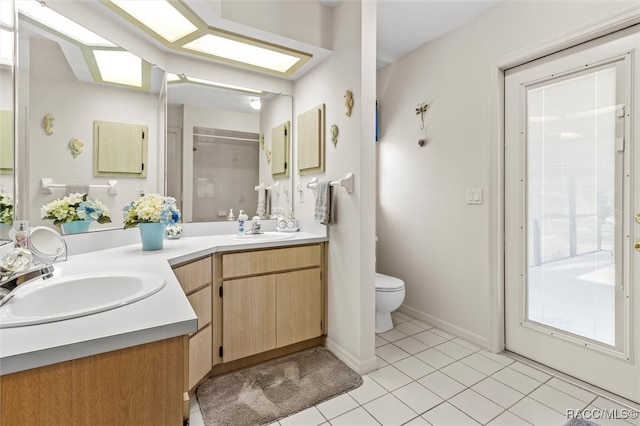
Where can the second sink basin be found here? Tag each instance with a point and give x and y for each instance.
(267, 236)
(62, 298)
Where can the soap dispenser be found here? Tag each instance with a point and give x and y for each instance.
(241, 218)
(231, 216)
(21, 234)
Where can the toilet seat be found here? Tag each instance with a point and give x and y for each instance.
(386, 283)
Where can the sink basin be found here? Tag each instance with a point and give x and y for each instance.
(62, 298)
(267, 236)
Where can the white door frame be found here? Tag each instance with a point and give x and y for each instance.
(607, 25)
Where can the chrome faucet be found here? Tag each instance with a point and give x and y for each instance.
(13, 281)
(256, 226)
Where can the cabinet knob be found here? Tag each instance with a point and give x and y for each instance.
(637, 245)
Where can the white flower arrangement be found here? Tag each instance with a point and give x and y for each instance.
(75, 207)
(151, 208)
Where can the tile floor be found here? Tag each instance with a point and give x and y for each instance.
(428, 377)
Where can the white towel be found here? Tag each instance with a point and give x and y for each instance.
(267, 205)
(77, 188)
(262, 205)
(323, 203)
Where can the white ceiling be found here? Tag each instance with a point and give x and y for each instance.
(404, 25)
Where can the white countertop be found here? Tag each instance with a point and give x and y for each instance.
(162, 315)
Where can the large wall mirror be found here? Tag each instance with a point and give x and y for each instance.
(6, 117)
(205, 144)
(222, 149)
(74, 92)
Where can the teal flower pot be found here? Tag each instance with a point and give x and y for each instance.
(75, 227)
(5, 231)
(152, 235)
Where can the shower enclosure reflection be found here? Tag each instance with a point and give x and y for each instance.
(219, 149)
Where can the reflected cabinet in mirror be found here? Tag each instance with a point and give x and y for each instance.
(88, 111)
(221, 150)
(7, 34)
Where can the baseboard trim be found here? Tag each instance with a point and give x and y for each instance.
(360, 367)
(443, 325)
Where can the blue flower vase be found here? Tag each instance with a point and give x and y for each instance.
(5, 231)
(75, 227)
(152, 235)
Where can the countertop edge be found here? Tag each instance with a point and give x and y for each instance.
(50, 356)
(29, 356)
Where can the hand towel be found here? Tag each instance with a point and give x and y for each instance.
(323, 203)
(267, 205)
(77, 188)
(262, 195)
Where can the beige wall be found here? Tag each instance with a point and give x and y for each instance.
(351, 249)
(441, 247)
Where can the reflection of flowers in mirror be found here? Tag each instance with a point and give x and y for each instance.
(75, 207)
(151, 208)
(6, 209)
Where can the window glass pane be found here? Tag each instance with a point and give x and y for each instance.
(571, 170)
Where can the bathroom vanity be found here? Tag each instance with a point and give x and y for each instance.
(226, 304)
(253, 305)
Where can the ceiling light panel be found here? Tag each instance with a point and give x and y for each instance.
(46, 17)
(120, 67)
(237, 51)
(159, 16)
(174, 25)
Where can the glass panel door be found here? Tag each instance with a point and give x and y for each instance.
(571, 187)
(571, 165)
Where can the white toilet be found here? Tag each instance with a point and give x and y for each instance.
(389, 297)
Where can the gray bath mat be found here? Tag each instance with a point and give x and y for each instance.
(580, 422)
(264, 393)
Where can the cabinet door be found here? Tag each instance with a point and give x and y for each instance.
(248, 316)
(199, 355)
(299, 306)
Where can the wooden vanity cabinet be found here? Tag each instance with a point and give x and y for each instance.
(271, 299)
(253, 303)
(196, 279)
(139, 385)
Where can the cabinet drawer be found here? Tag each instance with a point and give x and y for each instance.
(194, 275)
(274, 260)
(201, 304)
(199, 355)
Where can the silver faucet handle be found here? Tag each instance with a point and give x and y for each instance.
(44, 272)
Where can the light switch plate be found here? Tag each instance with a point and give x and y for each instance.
(474, 195)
